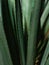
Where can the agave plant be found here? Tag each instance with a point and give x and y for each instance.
(24, 32)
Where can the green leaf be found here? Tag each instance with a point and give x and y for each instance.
(47, 62)
(47, 26)
(46, 53)
(11, 5)
(5, 58)
(44, 15)
(27, 9)
(19, 30)
(31, 51)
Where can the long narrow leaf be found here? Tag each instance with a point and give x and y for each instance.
(19, 30)
(33, 34)
(5, 58)
(46, 53)
(45, 14)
